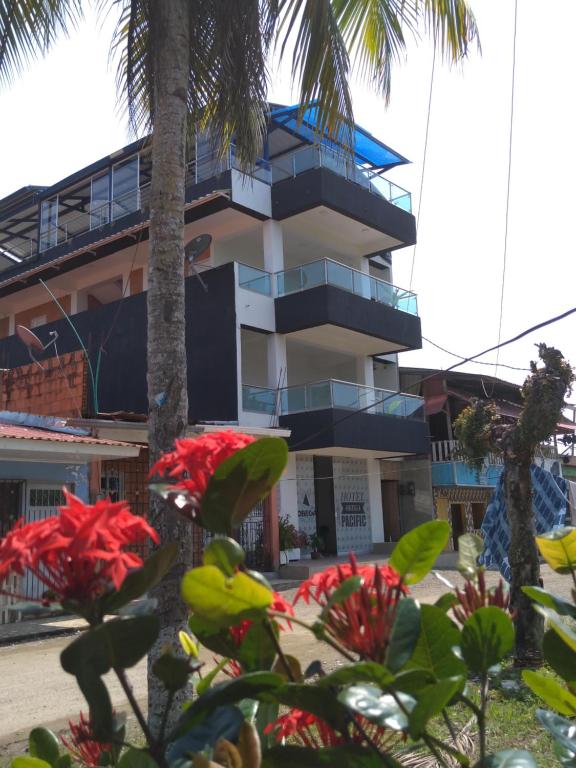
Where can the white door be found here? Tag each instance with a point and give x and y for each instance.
(42, 501)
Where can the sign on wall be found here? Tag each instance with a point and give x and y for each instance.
(306, 496)
(351, 498)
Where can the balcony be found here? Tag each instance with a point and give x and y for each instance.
(339, 414)
(329, 304)
(315, 176)
(449, 469)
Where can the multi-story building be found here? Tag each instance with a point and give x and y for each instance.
(293, 319)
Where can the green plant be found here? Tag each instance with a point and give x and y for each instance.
(290, 537)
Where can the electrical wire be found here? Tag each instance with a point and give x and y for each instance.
(476, 362)
(470, 359)
(509, 177)
(424, 156)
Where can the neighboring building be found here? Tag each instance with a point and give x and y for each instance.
(293, 320)
(459, 493)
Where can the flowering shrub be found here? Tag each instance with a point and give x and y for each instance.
(404, 664)
(289, 536)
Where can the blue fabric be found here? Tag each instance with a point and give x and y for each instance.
(550, 504)
(367, 149)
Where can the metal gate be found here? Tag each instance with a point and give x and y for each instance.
(42, 501)
(251, 537)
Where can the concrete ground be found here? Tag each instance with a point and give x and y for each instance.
(35, 690)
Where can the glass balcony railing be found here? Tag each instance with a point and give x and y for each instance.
(258, 399)
(328, 272)
(332, 393)
(319, 156)
(254, 279)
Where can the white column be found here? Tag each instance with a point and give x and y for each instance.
(375, 501)
(365, 370)
(273, 246)
(11, 324)
(288, 492)
(73, 302)
(277, 365)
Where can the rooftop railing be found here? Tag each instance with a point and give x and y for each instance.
(329, 272)
(332, 393)
(319, 156)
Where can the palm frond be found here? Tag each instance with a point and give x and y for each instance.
(452, 25)
(28, 29)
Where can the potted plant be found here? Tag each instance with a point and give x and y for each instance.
(316, 543)
(290, 537)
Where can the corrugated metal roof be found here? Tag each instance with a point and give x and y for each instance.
(15, 432)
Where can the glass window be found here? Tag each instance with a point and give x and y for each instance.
(49, 224)
(99, 201)
(125, 188)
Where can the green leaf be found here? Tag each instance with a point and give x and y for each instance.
(172, 671)
(560, 627)
(208, 679)
(432, 701)
(222, 723)
(24, 761)
(446, 602)
(433, 652)
(562, 730)
(470, 547)
(293, 663)
(64, 761)
(416, 552)
(223, 601)
(360, 672)
(44, 744)
(136, 758)
(345, 590)
(213, 637)
(99, 703)
(541, 596)
(509, 758)
(558, 548)
(413, 681)
(240, 482)
(249, 686)
(342, 756)
(225, 554)
(487, 637)
(377, 707)
(560, 656)
(405, 633)
(555, 695)
(257, 650)
(138, 582)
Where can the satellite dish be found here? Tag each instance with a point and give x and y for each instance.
(33, 343)
(194, 251)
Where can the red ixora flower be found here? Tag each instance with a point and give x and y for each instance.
(78, 554)
(314, 733)
(194, 460)
(82, 744)
(362, 622)
(476, 595)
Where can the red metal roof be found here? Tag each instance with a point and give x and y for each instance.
(15, 432)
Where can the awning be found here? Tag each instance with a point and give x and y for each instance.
(368, 150)
(434, 403)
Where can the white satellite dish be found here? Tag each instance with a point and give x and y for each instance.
(33, 343)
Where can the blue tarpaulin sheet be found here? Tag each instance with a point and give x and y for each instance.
(550, 504)
(368, 150)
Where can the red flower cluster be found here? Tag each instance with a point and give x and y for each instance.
(279, 604)
(82, 744)
(477, 596)
(314, 733)
(194, 460)
(363, 622)
(80, 553)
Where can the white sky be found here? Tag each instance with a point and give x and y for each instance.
(61, 115)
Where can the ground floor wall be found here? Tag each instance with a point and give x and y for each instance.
(463, 507)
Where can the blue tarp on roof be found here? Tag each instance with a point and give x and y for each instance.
(367, 149)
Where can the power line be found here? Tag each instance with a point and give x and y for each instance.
(519, 336)
(509, 177)
(424, 156)
(476, 362)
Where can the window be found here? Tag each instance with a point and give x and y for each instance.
(99, 201)
(38, 321)
(49, 224)
(125, 188)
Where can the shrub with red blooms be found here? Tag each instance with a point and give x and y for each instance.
(279, 604)
(80, 553)
(194, 460)
(476, 595)
(82, 744)
(313, 732)
(362, 622)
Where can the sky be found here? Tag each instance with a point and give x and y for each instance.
(62, 114)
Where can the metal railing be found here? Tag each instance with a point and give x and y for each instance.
(319, 156)
(449, 450)
(254, 279)
(332, 393)
(214, 163)
(330, 272)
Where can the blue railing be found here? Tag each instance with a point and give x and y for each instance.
(258, 399)
(329, 272)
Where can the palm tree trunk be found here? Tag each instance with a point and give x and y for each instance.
(167, 387)
(524, 561)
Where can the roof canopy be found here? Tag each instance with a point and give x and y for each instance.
(368, 151)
